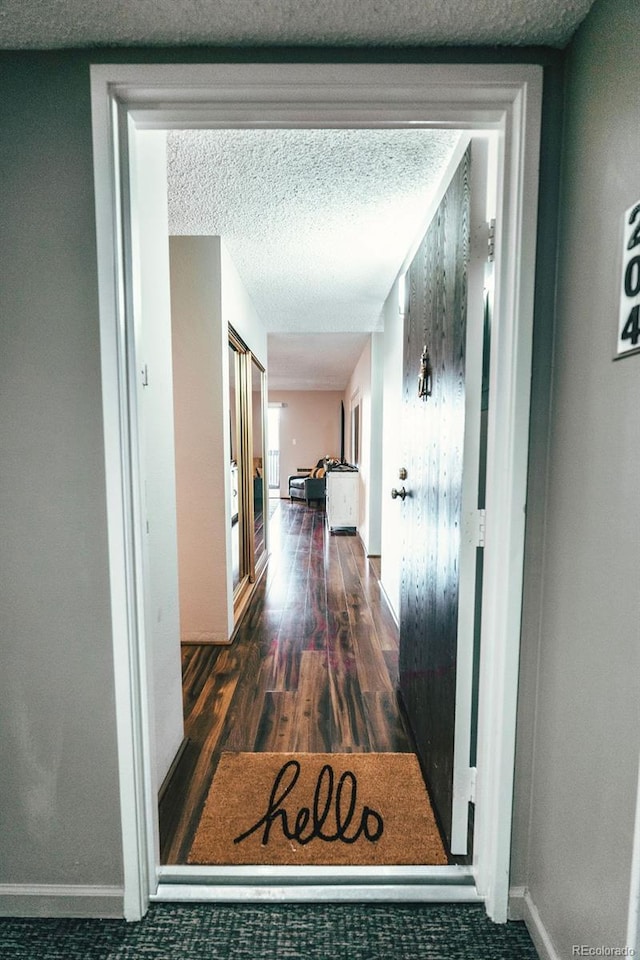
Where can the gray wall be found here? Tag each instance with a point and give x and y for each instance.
(579, 721)
(59, 806)
(59, 809)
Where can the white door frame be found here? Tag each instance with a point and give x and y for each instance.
(503, 98)
(633, 918)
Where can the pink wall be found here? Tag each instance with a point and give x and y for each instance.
(309, 429)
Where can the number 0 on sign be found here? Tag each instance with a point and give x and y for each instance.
(629, 320)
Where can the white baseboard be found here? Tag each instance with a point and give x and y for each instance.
(522, 907)
(172, 768)
(60, 900)
(389, 604)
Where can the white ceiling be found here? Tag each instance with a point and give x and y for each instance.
(41, 24)
(313, 361)
(318, 224)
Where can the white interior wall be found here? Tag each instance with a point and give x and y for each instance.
(201, 403)
(238, 309)
(375, 489)
(358, 391)
(391, 544)
(208, 296)
(150, 239)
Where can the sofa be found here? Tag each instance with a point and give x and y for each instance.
(309, 486)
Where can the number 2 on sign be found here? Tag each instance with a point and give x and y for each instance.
(629, 319)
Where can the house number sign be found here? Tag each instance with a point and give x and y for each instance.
(629, 319)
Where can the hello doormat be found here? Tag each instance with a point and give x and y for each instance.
(353, 809)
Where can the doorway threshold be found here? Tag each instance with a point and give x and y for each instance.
(254, 884)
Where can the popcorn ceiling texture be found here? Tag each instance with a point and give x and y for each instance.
(318, 361)
(42, 24)
(317, 222)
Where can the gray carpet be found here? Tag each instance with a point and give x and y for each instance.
(274, 931)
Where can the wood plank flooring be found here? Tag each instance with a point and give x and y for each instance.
(313, 667)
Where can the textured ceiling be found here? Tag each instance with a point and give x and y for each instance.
(317, 361)
(317, 222)
(41, 24)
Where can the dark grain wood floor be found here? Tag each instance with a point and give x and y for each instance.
(313, 667)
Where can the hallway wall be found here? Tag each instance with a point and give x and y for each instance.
(391, 567)
(59, 793)
(207, 296)
(202, 455)
(362, 390)
(579, 709)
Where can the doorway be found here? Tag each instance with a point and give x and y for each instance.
(317, 641)
(468, 97)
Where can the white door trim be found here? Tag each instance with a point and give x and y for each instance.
(633, 920)
(478, 268)
(506, 98)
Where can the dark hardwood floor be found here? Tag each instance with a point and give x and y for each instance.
(313, 667)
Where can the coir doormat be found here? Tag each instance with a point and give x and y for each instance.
(354, 809)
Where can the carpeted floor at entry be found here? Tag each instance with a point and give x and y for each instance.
(348, 809)
(274, 932)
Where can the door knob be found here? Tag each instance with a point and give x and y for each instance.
(398, 493)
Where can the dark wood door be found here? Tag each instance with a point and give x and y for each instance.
(433, 442)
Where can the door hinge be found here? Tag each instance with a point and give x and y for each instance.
(491, 241)
(145, 375)
(473, 771)
(475, 528)
(482, 520)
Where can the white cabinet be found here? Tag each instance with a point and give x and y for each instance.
(342, 498)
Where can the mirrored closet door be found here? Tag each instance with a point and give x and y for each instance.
(247, 514)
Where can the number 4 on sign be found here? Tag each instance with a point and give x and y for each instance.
(631, 329)
(629, 317)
